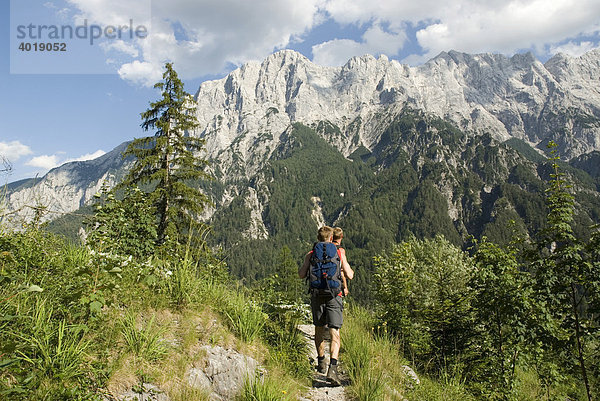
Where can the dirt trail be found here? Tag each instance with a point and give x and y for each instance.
(321, 390)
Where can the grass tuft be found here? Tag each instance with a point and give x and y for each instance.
(262, 389)
(145, 342)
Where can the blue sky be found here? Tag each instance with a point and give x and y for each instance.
(61, 106)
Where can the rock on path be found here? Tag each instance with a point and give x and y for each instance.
(321, 391)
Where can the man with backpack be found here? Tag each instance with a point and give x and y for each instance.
(324, 267)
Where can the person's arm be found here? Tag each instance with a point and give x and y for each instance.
(345, 284)
(303, 271)
(346, 269)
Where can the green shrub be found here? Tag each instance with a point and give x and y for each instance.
(424, 298)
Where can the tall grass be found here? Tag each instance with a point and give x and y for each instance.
(360, 360)
(182, 283)
(56, 351)
(289, 349)
(369, 386)
(44, 356)
(246, 319)
(377, 369)
(262, 389)
(146, 341)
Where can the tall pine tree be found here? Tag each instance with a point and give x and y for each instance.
(169, 161)
(566, 280)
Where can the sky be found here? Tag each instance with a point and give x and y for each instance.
(83, 96)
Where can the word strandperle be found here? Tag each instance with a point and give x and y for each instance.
(91, 32)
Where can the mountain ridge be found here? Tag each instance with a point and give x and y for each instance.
(244, 115)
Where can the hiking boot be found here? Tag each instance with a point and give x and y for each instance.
(322, 366)
(332, 375)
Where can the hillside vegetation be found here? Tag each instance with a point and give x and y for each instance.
(477, 265)
(85, 322)
(424, 178)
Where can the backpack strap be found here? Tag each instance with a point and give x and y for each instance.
(342, 281)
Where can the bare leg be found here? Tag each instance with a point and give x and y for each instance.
(335, 342)
(319, 343)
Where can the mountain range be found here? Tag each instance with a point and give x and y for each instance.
(455, 146)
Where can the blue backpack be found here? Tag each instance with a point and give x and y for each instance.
(325, 276)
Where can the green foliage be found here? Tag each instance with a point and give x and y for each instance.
(246, 318)
(169, 159)
(97, 278)
(262, 389)
(68, 225)
(54, 350)
(283, 287)
(423, 296)
(427, 213)
(289, 350)
(565, 279)
(124, 226)
(502, 307)
(525, 149)
(431, 390)
(144, 341)
(42, 350)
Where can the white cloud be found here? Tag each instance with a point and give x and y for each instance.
(366, 11)
(374, 41)
(211, 35)
(573, 48)
(477, 26)
(121, 47)
(113, 12)
(336, 52)
(45, 162)
(88, 156)
(62, 13)
(141, 73)
(14, 150)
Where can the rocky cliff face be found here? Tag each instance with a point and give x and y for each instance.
(507, 97)
(66, 188)
(244, 115)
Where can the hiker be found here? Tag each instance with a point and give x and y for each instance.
(338, 235)
(326, 297)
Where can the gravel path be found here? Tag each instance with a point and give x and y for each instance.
(321, 390)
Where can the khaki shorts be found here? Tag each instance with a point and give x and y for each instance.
(327, 310)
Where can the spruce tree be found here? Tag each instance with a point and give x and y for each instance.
(169, 161)
(566, 279)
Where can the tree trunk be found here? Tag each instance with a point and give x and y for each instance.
(579, 344)
(164, 212)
